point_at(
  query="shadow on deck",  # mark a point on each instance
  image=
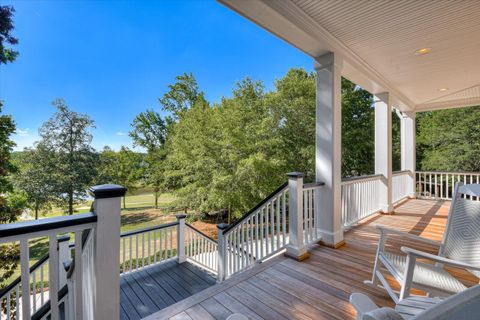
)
(156, 287)
(319, 287)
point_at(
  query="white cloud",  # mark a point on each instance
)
(121, 133)
(23, 132)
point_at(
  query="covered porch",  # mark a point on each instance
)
(319, 287)
(411, 56)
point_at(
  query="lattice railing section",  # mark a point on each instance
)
(260, 234)
(360, 198)
(30, 295)
(310, 219)
(402, 185)
(201, 249)
(149, 246)
(441, 185)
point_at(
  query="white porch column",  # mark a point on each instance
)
(107, 207)
(383, 148)
(408, 147)
(328, 144)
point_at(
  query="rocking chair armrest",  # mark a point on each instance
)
(439, 259)
(386, 231)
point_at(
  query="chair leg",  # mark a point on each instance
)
(376, 266)
(408, 277)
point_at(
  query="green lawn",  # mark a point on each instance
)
(138, 214)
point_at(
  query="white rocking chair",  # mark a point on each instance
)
(460, 247)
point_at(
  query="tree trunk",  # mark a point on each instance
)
(156, 200)
(36, 212)
(124, 203)
(70, 202)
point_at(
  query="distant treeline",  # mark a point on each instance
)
(226, 156)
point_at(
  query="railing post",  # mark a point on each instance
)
(296, 246)
(181, 238)
(63, 256)
(107, 250)
(222, 252)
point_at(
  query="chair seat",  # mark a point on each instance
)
(426, 275)
(411, 306)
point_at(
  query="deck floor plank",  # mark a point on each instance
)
(153, 288)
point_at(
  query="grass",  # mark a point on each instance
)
(138, 214)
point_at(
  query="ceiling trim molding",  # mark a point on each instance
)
(459, 103)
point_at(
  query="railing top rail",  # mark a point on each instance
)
(200, 232)
(448, 172)
(367, 177)
(143, 230)
(20, 228)
(313, 185)
(400, 172)
(258, 206)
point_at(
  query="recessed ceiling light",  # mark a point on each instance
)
(423, 51)
(443, 89)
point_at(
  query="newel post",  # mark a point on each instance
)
(222, 252)
(63, 257)
(107, 207)
(181, 238)
(296, 247)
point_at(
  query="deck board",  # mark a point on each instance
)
(156, 287)
(319, 287)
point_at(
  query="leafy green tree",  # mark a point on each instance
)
(67, 137)
(124, 167)
(149, 130)
(182, 95)
(6, 27)
(358, 131)
(7, 128)
(9, 254)
(449, 140)
(37, 178)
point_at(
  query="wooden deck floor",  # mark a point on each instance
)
(151, 289)
(319, 287)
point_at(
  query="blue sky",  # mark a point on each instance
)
(113, 59)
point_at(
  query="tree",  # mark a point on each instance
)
(67, 137)
(7, 128)
(449, 140)
(358, 130)
(182, 95)
(6, 26)
(124, 167)
(37, 178)
(149, 130)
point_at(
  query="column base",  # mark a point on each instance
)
(301, 257)
(296, 253)
(331, 239)
(387, 210)
(332, 245)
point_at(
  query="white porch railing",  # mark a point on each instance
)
(310, 219)
(30, 296)
(360, 198)
(201, 249)
(149, 246)
(259, 234)
(402, 185)
(440, 185)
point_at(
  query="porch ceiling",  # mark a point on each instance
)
(378, 40)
